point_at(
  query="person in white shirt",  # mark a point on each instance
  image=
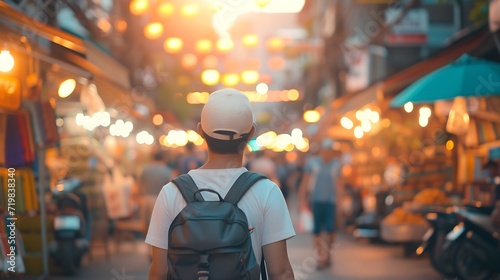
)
(227, 124)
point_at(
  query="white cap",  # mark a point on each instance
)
(227, 115)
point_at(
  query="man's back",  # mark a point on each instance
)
(263, 205)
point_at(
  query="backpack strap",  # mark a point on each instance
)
(242, 185)
(188, 188)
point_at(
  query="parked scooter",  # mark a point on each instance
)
(477, 254)
(442, 259)
(70, 227)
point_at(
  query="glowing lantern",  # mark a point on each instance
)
(190, 10)
(225, 45)
(210, 77)
(211, 61)
(312, 116)
(153, 30)
(189, 61)
(204, 46)
(250, 77)
(173, 45)
(138, 7)
(251, 40)
(275, 45)
(230, 80)
(276, 63)
(166, 9)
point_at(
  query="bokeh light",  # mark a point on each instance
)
(204, 46)
(225, 45)
(250, 40)
(230, 79)
(158, 119)
(166, 9)
(312, 116)
(189, 61)
(173, 45)
(250, 77)
(190, 10)
(408, 107)
(66, 88)
(262, 88)
(153, 30)
(210, 77)
(138, 7)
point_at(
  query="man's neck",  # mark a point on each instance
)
(223, 161)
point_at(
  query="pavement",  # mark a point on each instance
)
(353, 260)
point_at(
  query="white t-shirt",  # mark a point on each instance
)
(263, 205)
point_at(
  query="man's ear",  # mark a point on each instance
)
(200, 130)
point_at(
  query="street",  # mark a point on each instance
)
(353, 260)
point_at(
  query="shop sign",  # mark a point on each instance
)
(358, 76)
(410, 30)
(10, 93)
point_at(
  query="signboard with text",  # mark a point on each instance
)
(412, 29)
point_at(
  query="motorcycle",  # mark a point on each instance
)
(70, 226)
(477, 244)
(442, 222)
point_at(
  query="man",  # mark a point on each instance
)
(153, 177)
(318, 190)
(227, 125)
(188, 160)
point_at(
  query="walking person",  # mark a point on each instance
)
(226, 125)
(319, 191)
(153, 177)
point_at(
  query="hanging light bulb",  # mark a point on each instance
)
(6, 61)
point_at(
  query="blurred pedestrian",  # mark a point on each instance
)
(154, 176)
(188, 160)
(227, 125)
(319, 191)
(262, 163)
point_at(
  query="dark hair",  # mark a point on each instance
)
(159, 155)
(226, 146)
(190, 146)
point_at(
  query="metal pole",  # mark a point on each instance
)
(41, 196)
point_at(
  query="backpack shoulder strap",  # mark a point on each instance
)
(188, 188)
(242, 185)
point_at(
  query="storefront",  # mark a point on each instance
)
(54, 85)
(402, 157)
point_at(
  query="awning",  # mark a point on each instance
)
(31, 26)
(79, 57)
(389, 87)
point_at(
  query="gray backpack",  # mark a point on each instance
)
(211, 239)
